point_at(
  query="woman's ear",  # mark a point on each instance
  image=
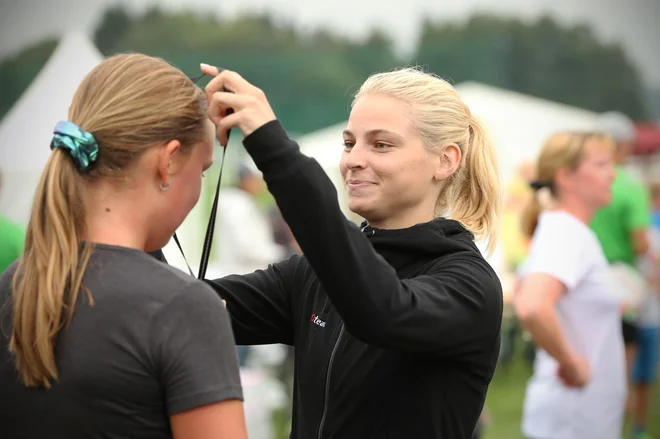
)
(449, 160)
(168, 161)
(562, 178)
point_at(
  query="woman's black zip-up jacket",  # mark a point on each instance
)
(396, 332)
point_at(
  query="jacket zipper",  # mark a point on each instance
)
(327, 382)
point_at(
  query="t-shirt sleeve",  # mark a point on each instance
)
(637, 212)
(559, 250)
(194, 350)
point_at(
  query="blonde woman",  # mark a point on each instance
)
(98, 339)
(396, 324)
(567, 299)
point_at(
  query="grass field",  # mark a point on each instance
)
(505, 400)
(504, 404)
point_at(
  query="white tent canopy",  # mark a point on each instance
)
(519, 124)
(26, 131)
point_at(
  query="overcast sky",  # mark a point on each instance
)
(635, 23)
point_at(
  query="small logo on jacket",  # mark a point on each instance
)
(314, 319)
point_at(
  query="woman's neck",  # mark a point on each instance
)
(401, 221)
(115, 218)
(578, 209)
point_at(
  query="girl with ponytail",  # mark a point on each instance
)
(98, 338)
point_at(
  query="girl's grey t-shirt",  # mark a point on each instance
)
(154, 343)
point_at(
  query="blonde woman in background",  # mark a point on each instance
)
(567, 299)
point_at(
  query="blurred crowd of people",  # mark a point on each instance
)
(587, 295)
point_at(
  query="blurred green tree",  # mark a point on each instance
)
(18, 71)
(541, 58)
(310, 77)
(113, 25)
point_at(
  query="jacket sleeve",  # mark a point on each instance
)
(454, 310)
(260, 304)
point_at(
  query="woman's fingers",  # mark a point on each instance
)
(222, 101)
(209, 70)
(224, 125)
(229, 81)
(228, 90)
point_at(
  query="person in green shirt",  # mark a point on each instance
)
(622, 225)
(12, 240)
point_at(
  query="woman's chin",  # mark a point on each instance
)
(359, 206)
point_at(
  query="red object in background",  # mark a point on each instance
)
(647, 139)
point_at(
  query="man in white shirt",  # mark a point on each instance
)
(243, 233)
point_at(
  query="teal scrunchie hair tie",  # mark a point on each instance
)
(80, 144)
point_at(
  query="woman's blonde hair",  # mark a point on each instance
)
(472, 195)
(563, 150)
(129, 103)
